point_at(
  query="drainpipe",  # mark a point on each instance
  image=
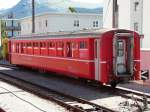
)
(33, 16)
(115, 14)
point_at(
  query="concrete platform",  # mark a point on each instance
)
(13, 99)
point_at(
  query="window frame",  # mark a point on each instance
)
(83, 45)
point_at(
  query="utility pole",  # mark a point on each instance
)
(33, 16)
(115, 14)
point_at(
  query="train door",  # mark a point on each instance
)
(97, 59)
(123, 54)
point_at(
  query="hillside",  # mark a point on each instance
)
(23, 8)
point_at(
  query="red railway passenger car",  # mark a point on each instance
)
(106, 56)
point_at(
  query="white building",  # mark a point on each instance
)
(55, 22)
(133, 15)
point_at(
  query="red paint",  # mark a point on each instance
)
(66, 57)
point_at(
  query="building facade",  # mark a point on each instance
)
(133, 15)
(123, 18)
(12, 27)
(56, 22)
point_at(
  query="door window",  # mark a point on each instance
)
(120, 47)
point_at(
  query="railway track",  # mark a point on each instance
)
(71, 103)
(137, 96)
(1, 110)
(141, 100)
(79, 103)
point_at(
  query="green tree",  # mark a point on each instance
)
(3, 30)
(72, 9)
(4, 40)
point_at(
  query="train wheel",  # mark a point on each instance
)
(113, 84)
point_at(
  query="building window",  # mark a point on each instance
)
(76, 23)
(9, 23)
(19, 25)
(5, 24)
(46, 23)
(136, 5)
(136, 26)
(95, 23)
(9, 33)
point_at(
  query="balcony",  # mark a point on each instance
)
(17, 28)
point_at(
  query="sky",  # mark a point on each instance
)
(4, 4)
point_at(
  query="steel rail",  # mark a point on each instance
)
(123, 92)
(46, 93)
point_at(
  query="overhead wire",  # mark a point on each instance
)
(107, 10)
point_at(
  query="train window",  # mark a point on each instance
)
(83, 45)
(120, 48)
(36, 44)
(69, 49)
(53, 44)
(22, 51)
(74, 45)
(41, 44)
(60, 44)
(23, 45)
(44, 44)
(13, 47)
(50, 45)
(17, 48)
(30, 44)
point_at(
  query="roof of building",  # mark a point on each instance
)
(58, 13)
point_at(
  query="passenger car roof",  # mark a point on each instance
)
(86, 33)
